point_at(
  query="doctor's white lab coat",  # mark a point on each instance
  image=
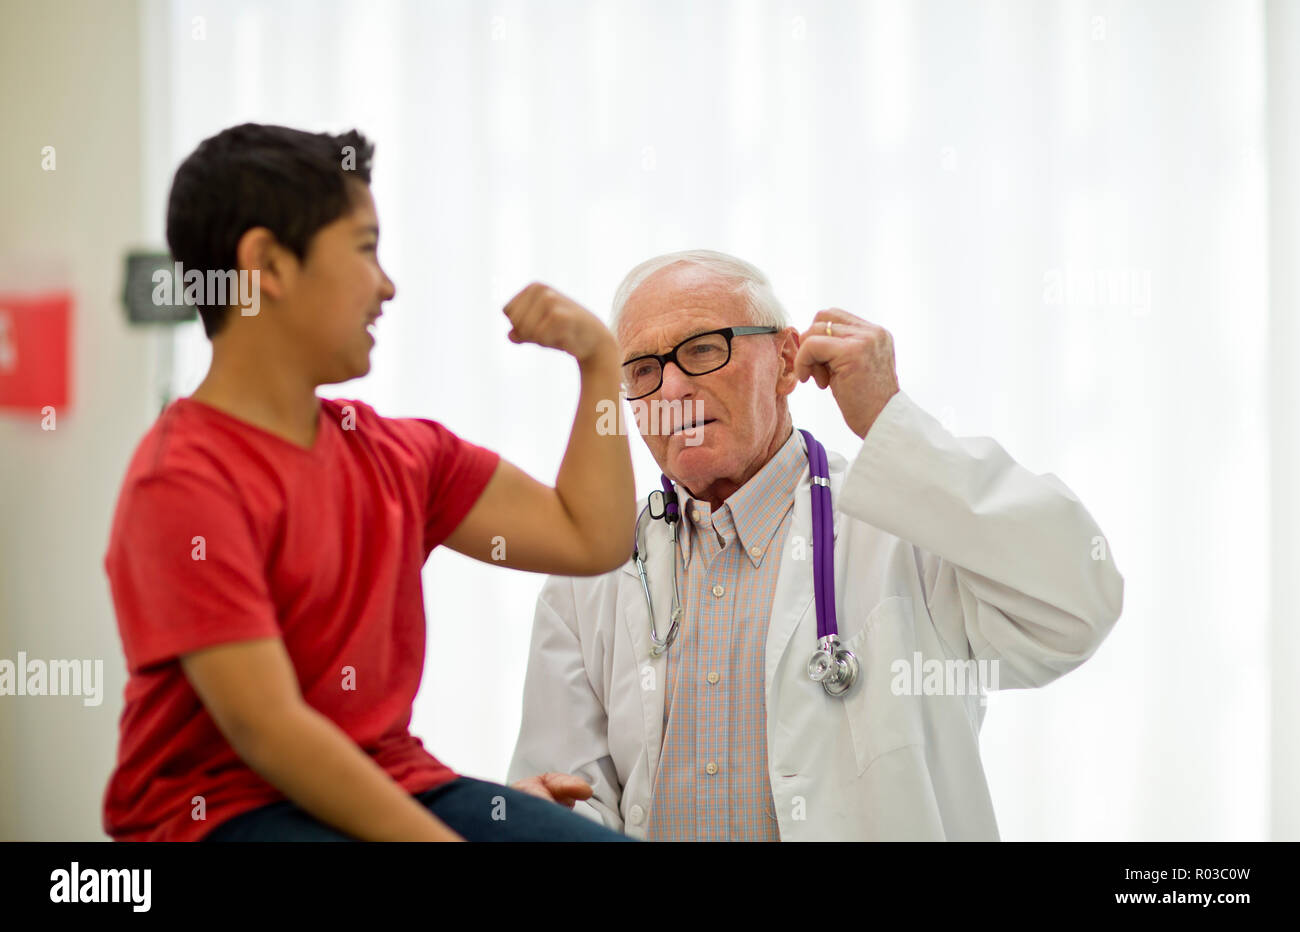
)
(945, 550)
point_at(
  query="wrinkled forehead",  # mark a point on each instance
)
(675, 303)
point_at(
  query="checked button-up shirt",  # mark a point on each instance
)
(712, 783)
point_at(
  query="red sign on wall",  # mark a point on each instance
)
(34, 350)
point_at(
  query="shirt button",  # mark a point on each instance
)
(695, 515)
(718, 590)
(755, 551)
(711, 768)
(713, 677)
(635, 815)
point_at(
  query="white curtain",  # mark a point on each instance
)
(1059, 209)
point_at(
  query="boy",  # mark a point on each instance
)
(266, 549)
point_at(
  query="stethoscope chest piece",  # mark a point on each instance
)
(835, 667)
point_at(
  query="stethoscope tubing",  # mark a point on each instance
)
(823, 538)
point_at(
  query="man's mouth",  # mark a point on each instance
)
(693, 425)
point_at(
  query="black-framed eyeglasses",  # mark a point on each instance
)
(697, 355)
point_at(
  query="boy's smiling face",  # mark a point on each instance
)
(334, 294)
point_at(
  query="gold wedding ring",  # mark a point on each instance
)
(828, 328)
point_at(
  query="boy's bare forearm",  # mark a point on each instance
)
(315, 764)
(594, 488)
(595, 482)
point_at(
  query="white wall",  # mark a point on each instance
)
(69, 73)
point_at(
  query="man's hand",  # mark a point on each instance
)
(559, 788)
(856, 360)
(540, 314)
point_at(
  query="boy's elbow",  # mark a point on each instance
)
(607, 558)
(259, 733)
(605, 548)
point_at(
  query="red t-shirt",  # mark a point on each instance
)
(226, 532)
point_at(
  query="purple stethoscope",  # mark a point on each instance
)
(832, 665)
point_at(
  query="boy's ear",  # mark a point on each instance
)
(277, 267)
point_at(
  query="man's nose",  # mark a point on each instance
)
(388, 290)
(677, 384)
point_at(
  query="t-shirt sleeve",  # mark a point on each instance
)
(185, 570)
(459, 472)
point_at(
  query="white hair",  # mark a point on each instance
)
(765, 309)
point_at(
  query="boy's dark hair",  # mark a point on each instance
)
(289, 181)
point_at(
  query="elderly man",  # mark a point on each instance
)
(954, 570)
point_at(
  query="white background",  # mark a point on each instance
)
(1072, 216)
(1058, 209)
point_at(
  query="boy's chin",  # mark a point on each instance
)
(361, 360)
(353, 369)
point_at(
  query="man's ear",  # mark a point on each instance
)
(787, 349)
(277, 267)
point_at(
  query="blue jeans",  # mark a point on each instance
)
(475, 809)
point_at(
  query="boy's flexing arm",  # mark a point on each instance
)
(583, 526)
(250, 690)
